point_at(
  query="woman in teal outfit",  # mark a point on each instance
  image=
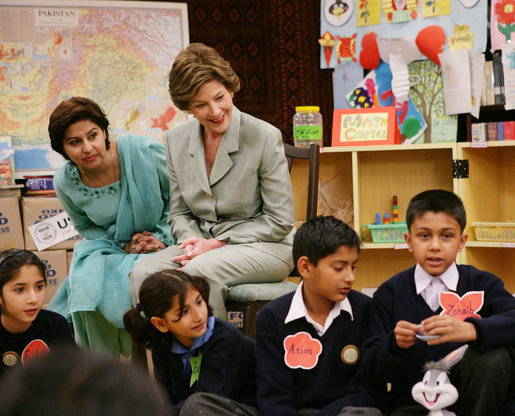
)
(116, 194)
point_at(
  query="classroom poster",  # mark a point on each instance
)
(427, 96)
(118, 53)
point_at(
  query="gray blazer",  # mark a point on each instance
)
(248, 196)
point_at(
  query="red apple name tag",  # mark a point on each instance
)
(462, 307)
(33, 349)
(301, 351)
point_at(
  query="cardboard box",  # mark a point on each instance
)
(11, 232)
(56, 263)
(36, 209)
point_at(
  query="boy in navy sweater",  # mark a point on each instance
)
(458, 304)
(308, 343)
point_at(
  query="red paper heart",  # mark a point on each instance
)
(369, 55)
(430, 41)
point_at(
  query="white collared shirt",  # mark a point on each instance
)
(431, 286)
(298, 310)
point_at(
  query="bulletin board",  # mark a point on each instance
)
(357, 24)
(117, 53)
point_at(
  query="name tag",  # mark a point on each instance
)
(462, 307)
(301, 351)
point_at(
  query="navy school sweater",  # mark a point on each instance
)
(281, 389)
(396, 299)
(227, 368)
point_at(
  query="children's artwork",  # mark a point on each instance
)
(445, 14)
(337, 12)
(456, 81)
(327, 42)
(7, 165)
(431, 41)
(369, 55)
(477, 77)
(502, 22)
(432, 8)
(368, 13)
(508, 66)
(462, 38)
(346, 49)
(397, 11)
(375, 90)
(345, 77)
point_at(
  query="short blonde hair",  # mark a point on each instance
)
(193, 67)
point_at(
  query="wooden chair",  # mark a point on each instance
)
(250, 297)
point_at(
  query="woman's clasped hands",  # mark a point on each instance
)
(195, 246)
(142, 243)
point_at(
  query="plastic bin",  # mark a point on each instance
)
(494, 231)
(387, 233)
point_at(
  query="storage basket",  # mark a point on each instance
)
(387, 233)
(494, 231)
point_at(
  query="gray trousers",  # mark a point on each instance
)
(209, 404)
(223, 267)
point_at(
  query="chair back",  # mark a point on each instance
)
(313, 154)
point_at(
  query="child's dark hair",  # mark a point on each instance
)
(436, 200)
(11, 261)
(155, 299)
(321, 237)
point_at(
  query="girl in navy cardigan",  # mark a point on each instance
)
(197, 358)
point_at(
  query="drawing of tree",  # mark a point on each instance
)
(427, 95)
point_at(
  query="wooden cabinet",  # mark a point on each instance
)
(364, 180)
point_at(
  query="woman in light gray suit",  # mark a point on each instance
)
(231, 201)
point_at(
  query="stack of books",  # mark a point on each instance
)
(492, 131)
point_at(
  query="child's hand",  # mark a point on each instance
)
(451, 329)
(405, 334)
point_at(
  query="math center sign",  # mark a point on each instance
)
(365, 126)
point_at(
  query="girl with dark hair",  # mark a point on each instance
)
(197, 358)
(26, 330)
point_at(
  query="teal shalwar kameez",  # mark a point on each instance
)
(95, 295)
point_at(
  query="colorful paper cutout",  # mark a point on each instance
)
(430, 41)
(462, 38)
(369, 55)
(327, 43)
(432, 8)
(337, 12)
(462, 307)
(397, 11)
(35, 348)
(346, 48)
(301, 351)
(369, 13)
